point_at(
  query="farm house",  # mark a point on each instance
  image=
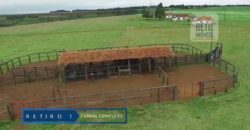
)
(180, 17)
(202, 20)
(105, 63)
(169, 15)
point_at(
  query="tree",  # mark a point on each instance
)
(160, 11)
(145, 13)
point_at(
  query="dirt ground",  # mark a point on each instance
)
(182, 77)
(118, 83)
(187, 79)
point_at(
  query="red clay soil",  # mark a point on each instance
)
(27, 91)
(115, 84)
(113, 54)
(187, 79)
(194, 73)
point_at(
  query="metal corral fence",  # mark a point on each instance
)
(66, 98)
(103, 100)
(224, 84)
(29, 74)
(54, 55)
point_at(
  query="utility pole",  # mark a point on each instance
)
(224, 15)
(151, 9)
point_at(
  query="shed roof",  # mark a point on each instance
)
(78, 57)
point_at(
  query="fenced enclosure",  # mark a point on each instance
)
(224, 84)
(13, 72)
(29, 74)
(114, 99)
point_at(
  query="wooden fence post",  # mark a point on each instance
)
(57, 57)
(167, 78)
(186, 59)
(1, 70)
(174, 93)
(7, 66)
(48, 56)
(29, 59)
(165, 62)
(176, 61)
(149, 64)
(139, 66)
(57, 72)
(13, 66)
(10, 112)
(108, 70)
(158, 93)
(234, 80)
(201, 88)
(39, 57)
(20, 62)
(86, 72)
(226, 67)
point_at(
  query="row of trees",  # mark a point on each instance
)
(58, 15)
(156, 12)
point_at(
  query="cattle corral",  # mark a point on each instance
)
(182, 73)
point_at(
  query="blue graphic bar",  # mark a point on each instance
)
(74, 116)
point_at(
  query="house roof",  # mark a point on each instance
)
(77, 57)
(204, 18)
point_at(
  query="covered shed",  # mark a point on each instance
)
(105, 63)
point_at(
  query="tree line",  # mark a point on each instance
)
(154, 12)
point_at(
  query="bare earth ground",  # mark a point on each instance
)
(181, 76)
(187, 79)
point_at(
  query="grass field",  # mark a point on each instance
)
(221, 112)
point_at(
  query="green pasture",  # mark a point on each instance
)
(229, 111)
